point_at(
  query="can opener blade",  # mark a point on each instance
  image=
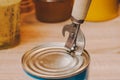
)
(73, 30)
(78, 17)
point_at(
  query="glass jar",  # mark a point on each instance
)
(9, 23)
(101, 10)
(53, 10)
(26, 6)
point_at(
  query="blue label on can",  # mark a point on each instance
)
(81, 76)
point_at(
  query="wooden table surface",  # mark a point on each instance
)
(102, 43)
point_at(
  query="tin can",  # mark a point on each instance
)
(52, 61)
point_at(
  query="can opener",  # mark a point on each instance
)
(76, 39)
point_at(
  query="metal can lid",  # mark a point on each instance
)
(53, 61)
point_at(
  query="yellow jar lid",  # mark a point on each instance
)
(101, 10)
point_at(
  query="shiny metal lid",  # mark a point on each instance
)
(53, 61)
(50, 0)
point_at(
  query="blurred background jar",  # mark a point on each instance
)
(26, 6)
(27, 9)
(53, 10)
(101, 10)
(9, 23)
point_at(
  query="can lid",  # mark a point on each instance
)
(52, 61)
(49, 0)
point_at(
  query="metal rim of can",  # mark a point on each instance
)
(50, 0)
(30, 67)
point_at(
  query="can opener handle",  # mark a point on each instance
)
(76, 39)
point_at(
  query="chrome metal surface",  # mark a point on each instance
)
(73, 30)
(50, 0)
(53, 61)
(76, 39)
(77, 17)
